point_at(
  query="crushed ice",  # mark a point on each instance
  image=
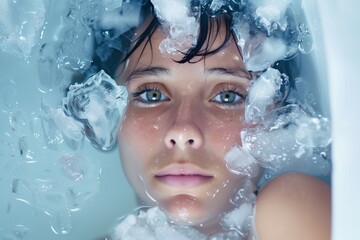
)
(266, 90)
(286, 138)
(152, 224)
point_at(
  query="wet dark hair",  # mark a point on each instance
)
(209, 25)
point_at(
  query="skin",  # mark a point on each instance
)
(294, 206)
(190, 125)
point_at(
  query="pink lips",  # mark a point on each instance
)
(183, 176)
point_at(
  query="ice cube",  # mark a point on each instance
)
(180, 23)
(99, 104)
(265, 91)
(240, 162)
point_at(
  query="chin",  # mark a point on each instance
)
(185, 210)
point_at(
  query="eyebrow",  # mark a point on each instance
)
(156, 71)
(225, 71)
(148, 71)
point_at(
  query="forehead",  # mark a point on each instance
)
(149, 54)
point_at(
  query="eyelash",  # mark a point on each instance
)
(230, 89)
(227, 89)
(146, 88)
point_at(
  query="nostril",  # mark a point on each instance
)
(173, 142)
(191, 141)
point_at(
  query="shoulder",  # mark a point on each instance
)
(294, 206)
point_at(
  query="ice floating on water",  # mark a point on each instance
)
(112, 24)
(99, 104)
(240, 219)
(260, 26)
(285, 137)
(94, 108)
(241, 162)
(290, 139)
(314, 132)
(95, 27)
(245, 194)
(182, 27)
(153, 225)
(68, 126)
(20, 26)
(271, 14)
(265, 91)
(268, 31)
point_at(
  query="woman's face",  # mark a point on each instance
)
(180, 122)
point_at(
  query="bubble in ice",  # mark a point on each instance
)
(99, 104)
(20, 26)
(152, 224)
(266, 90)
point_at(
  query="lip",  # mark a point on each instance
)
(183, 176)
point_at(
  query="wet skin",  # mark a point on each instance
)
(180, 122)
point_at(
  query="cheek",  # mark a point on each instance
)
(139, 139)
(224, 134)
(139, 128)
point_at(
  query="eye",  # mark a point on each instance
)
(228, 97)
(152, 95)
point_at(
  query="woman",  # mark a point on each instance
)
(185, 112)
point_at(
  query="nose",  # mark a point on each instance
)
(184, 132)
